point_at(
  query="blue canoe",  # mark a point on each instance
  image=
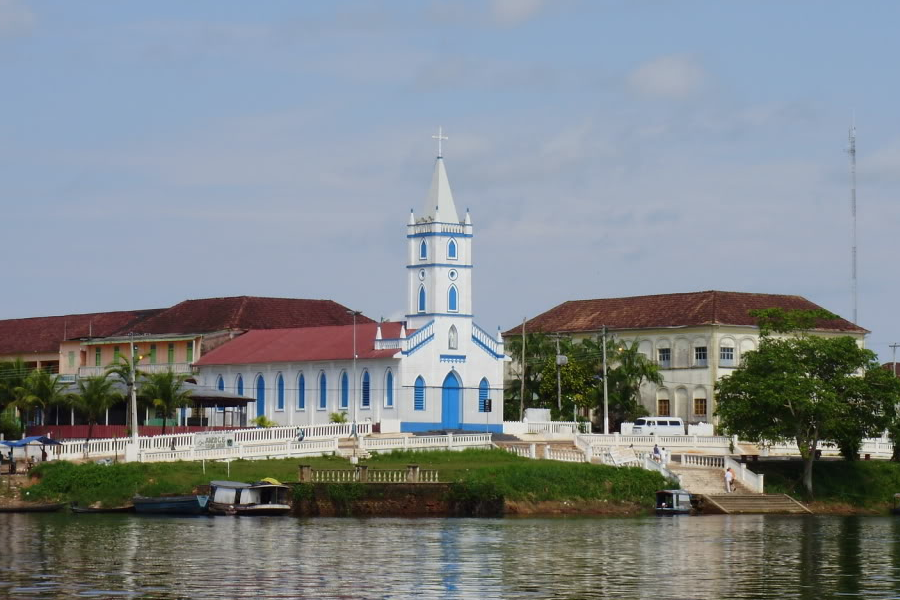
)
(194, 504)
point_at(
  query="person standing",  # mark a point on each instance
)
(656, 455)
(729, 480)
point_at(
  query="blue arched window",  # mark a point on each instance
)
(239, 385)
(423, 250)
(452, 299)
(419, 395)
(366, 398)
(451, 250)
(323, 391)
(421, 298)
(220, 384)
(345, 390)
(484, 390)
(301, 392)
(389, 389)
(279, 387)
(260, 396)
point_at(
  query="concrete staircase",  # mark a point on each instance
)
(736, 504)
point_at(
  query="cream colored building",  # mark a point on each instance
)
(695, 338)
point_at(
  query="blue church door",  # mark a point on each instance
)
(260, 397)
(450, 402)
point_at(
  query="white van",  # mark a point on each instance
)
(658, 426)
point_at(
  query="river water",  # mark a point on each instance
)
(750, 556)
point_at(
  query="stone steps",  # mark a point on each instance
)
(751, 504)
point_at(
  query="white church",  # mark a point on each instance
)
(438, 370)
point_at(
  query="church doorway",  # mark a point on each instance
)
(450, 401)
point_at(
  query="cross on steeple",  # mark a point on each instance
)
(439, 137)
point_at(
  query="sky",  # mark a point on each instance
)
(158, 151)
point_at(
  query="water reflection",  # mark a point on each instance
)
(752, 556)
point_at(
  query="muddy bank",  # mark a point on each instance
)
(524, 508)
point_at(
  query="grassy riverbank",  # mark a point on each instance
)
(867, 484)
(476, 475)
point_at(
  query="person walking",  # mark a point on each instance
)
(656, 455)
(729, 480)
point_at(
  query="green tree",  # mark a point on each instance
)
(807, 389)
(165, 391)
(12, 377)
(95, 395)
(126, 370)
(630, 370)
(538, 347)
(577, 380)
(39, 391)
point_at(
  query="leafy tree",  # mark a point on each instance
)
(538, 347)
(164, 391)
(39, 391)
(577, 380)
(94, 397)
(807, 389)
(630, 370)
(125, 369)
(12, 377)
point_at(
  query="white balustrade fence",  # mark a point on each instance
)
(427, 442)
(563, 454)
(753, 481)
(704, 461)
(287, 449)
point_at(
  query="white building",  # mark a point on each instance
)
(695, 338)
(437, 370)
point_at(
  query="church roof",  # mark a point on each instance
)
(303, 344)
(246, 312)
(439, 204)
(669, 310)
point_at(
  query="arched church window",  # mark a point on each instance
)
(419, 394)
(421, 298)
(279, 392)
(345, 390)
(451, 250)
(220, 384)
(484, 389)
(366, 397)
(453, 338)
(452, 299)
(423, 250)
(239, 385)
(301, 392)
(389, 389)
(260, 395)
(323, 391)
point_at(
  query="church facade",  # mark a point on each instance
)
(437, 370)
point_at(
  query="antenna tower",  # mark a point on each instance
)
(852, 152)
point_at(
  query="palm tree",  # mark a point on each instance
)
(94, 397)
(126, 370)
(165, 391)
(40, 390)
(630, 369)
(12, 376)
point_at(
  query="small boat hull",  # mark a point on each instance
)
(35, 507)
(245, 510)
(171, 505)
(89, 510)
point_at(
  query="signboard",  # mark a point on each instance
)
(213, 440)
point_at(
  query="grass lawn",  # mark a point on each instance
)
(859, 483)
(478, 473)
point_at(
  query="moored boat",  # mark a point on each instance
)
(673, 502)
(193, 504)
(267, 497)
(91, 510)
(32, 507)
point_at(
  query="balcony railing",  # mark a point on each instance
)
(156, 368)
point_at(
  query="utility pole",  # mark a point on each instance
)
(893, 348)
(605, 389)
(134, 417)
(522, 393)
(558, 379)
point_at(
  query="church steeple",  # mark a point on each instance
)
(439, 204)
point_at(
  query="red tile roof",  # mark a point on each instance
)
(302, 344)
(43, 334)
(669, 310)
(247, 312)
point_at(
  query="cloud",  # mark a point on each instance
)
(15, 18)
(882, 166)
(673, 76)
(509, 13)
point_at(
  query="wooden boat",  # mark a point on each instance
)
(32, 507)
(92, 510)
(194, 504)
(674, 502)
(267, 497)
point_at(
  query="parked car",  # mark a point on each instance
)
(658, 426)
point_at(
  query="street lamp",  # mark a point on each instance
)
(353, 431)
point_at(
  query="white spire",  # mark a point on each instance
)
(439, 204)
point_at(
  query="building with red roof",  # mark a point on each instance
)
(695, 338)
